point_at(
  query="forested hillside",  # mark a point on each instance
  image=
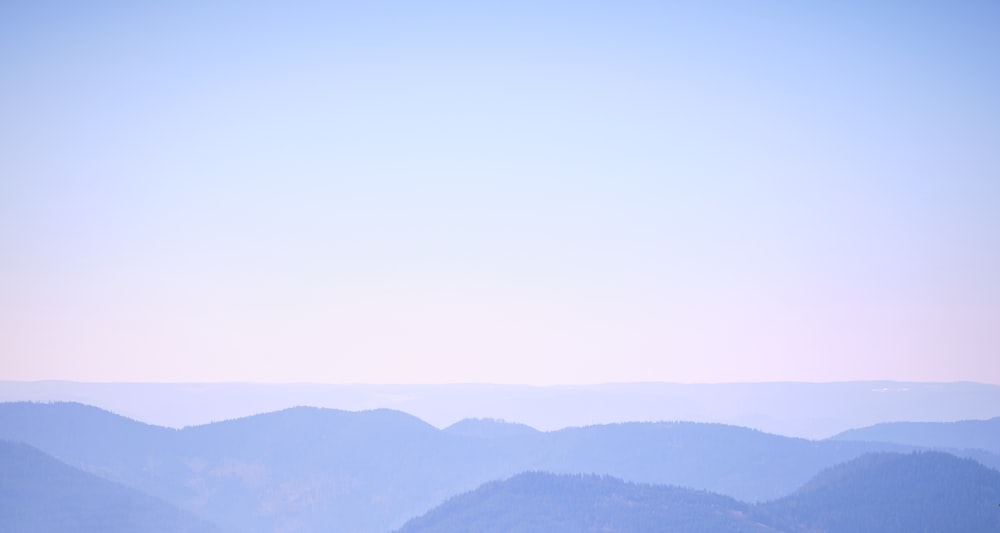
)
(549, 503)
(921, 492)
(310, 469)
(39, 494)
(876, 493)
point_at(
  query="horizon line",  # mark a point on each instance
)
(497, 384)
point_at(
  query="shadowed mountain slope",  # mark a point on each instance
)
(39, 494)
(550, 503)
(896, 493)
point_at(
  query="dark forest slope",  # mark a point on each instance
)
(550, 503)
(876, 493)
(896, 493)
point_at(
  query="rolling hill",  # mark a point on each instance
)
(875, 493)
(809, 410)
(890, 493)
(39, 494)
(962, 435)
(312, 469)
(549, 503)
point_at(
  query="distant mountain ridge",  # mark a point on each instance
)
(809, 410)
(304, 467)
(965, 434)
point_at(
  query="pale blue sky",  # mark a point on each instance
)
(513, 192)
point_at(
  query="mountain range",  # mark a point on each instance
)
(808, 410)
(312, 469)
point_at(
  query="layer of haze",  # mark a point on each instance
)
(509, 192)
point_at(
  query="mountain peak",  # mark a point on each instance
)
(489, 428)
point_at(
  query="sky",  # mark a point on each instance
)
(499, 192)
